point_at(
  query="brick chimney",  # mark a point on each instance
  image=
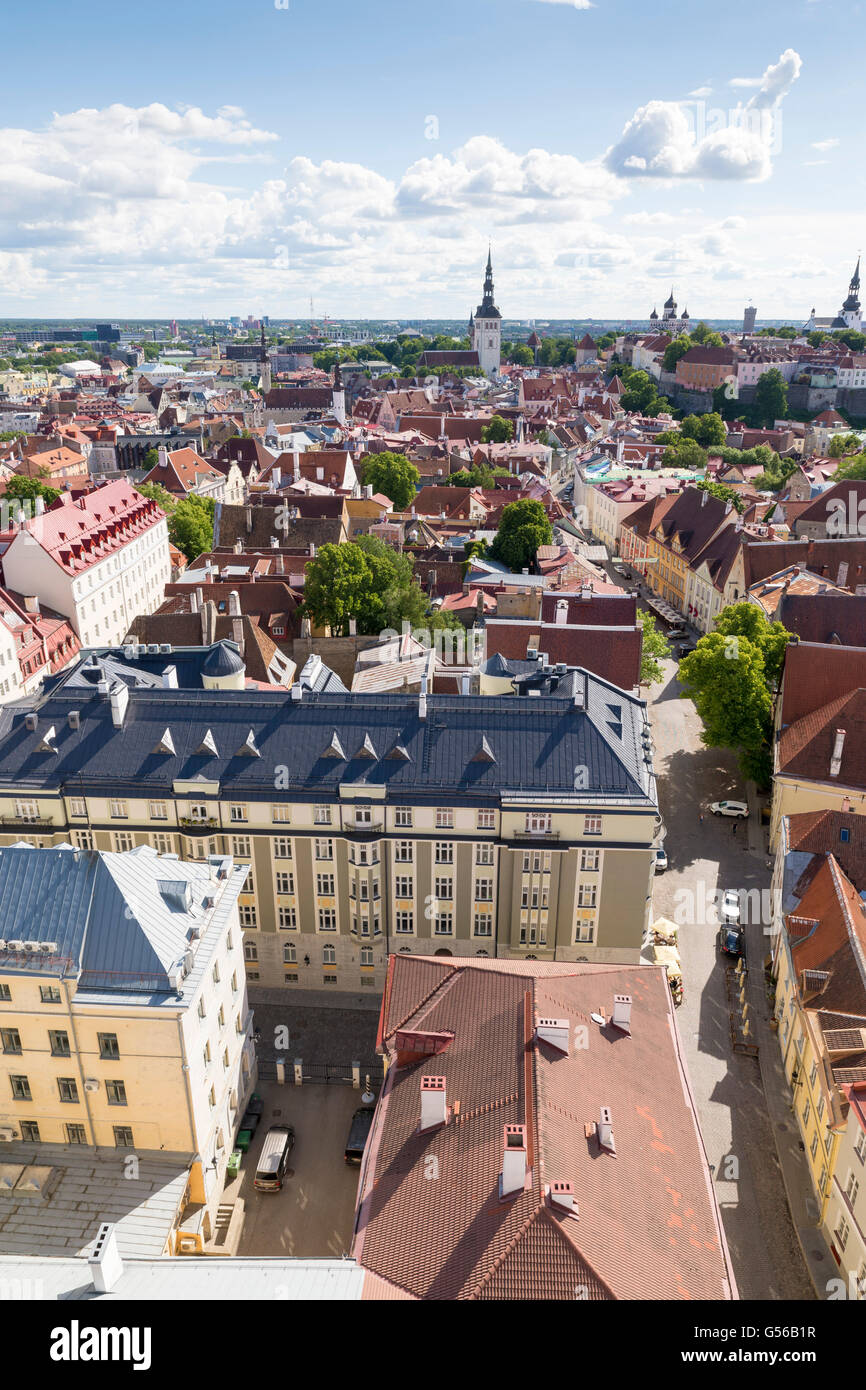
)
(434, 1109)
(513, 1176)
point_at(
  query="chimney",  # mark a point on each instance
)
(40, 506)
(554, 1032)
(208, 623)
(605, 1129)
(169, 678)
(353, 627)
(238, 633)
(841, 576)
(249, 519)
(234, 604)
(276, 477)
(434, 1110)
(561, 612)
(836, 759)
(704, 496)
(513, 1177)
(31, 602)
(622, 1012)
(105, 1263)
(464, 685)
(422, 699)
(119, 695)
(561, 1197)
(296, 467)
(195, 601)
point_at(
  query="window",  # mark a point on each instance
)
(59, 1043)
(484, 854)
(108, 1047)
(841, 1233)
(247, 917)
(860, 1146)
(83, 839)
(290, 954)
(215, 973)
(221, 1017)
(117, 810)
(363, 815)
(485, 820)
(288, 919)
(49, 994)
(5, 994)
(444, 818)
(158, 810)
(589, 860)
(404, 886)
(286, 883)
(241, 849)
(807, 1110)
(235, 983)
(366, 957)
(403, 817)
(484, 890)
(852, 1187)
(538, 822)
(282, 848)
(199, 812)
(404, 922)
(592, 825)
(237, 812)
(251, 950)
(20, 1088)
(813, 1147)
(68, 1089)
(403, 852)
(325, 885)
(30, 1132)
(844, 834)
(444, 852)
(211, 1098)
(77, 806)
(584, 931)
(115, 1092)
(122, 843)
(281, 814)
(444, 887)
(322, 815)
(290, 979)
(27, 810)
(163, 844)
(329, 955)
(327, 919)
(329, 979)
(482, 924)
(324, 849)
(443, 924)
(75, 1134)
(11, 1041)
(123, 1137)
(586, 894)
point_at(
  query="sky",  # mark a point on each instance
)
(208, 159)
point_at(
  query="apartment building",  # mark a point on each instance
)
(124, 1020)
(100, 560)
(845, 1216)
(369, 823)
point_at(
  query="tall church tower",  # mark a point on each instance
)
(851, 308)
(486, 338)
(264, 366)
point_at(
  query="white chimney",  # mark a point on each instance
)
(40, 506)
(119, 700)
(622, 1012)
(554, 1032)
(434, 1110)
(234, 604)
(561, 1196)
(561, 612)
(169, 678)
(353, 627)
(836, 759)
(422, 699)
(605, 1130)
(513, 1177)
(276, 477)
(105, 1263)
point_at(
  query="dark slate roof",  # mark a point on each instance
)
(537, 745)
(223, 659)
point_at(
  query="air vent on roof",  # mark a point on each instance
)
(166, 743)
(334, 748)
(397, 754)
(165, 648)
(73, 719)
(31, 720)
(366, 750)
(207, 747)
(46, 745)
(153, 649)
(483, 753)
(248, 748)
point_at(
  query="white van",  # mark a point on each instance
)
(274, 1158)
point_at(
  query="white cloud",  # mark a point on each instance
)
(575, 4)
(676, 140)
(648, 219)
(701, 92)
(824, 144)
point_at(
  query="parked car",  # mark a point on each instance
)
(731, 906)
(730, 808)
(274, 1158)
(732, 940)
(661, 860)
(677, 633)
(358, 1133)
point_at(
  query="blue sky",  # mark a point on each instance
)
(222, 158)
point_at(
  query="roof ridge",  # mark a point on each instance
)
(451, 971)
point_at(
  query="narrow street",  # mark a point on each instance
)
(704, 857)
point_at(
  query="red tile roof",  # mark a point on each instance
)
(81, 533)
(431, 1220)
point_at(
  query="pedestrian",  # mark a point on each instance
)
(702, 817)
(734, 827)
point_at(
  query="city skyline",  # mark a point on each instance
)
(560, 133)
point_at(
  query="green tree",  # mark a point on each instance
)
(704, 335)
(852, 338)
(30, 488)
(479, 475)
(731, 676)
(523, 527)
(8, 435)
(394, 475)
(190, 527)
(684, 453)
(724, 493)
(640, 392)
(853, 468)
(674, 351)
(816, 339)
(151, 459)
(158, 495)
(499, 431)
(520, 355)
(842, 444)
(705, 429)
(654, 649)
(771, 399)
(338, 586)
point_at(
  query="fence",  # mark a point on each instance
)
(297, 1071)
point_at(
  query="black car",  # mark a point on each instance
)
(732, 939)
(358, 1133)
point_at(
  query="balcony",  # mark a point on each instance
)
(37, 822)
(194, 823)
(536, 834)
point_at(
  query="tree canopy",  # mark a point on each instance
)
(371, 582)
(499, 431)
(654, 648)
(771, 399)
(190, 526)
(392, 474)
(724, 493)
(523, 527)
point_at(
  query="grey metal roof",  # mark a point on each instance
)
(176, 1278)
(537, 748)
